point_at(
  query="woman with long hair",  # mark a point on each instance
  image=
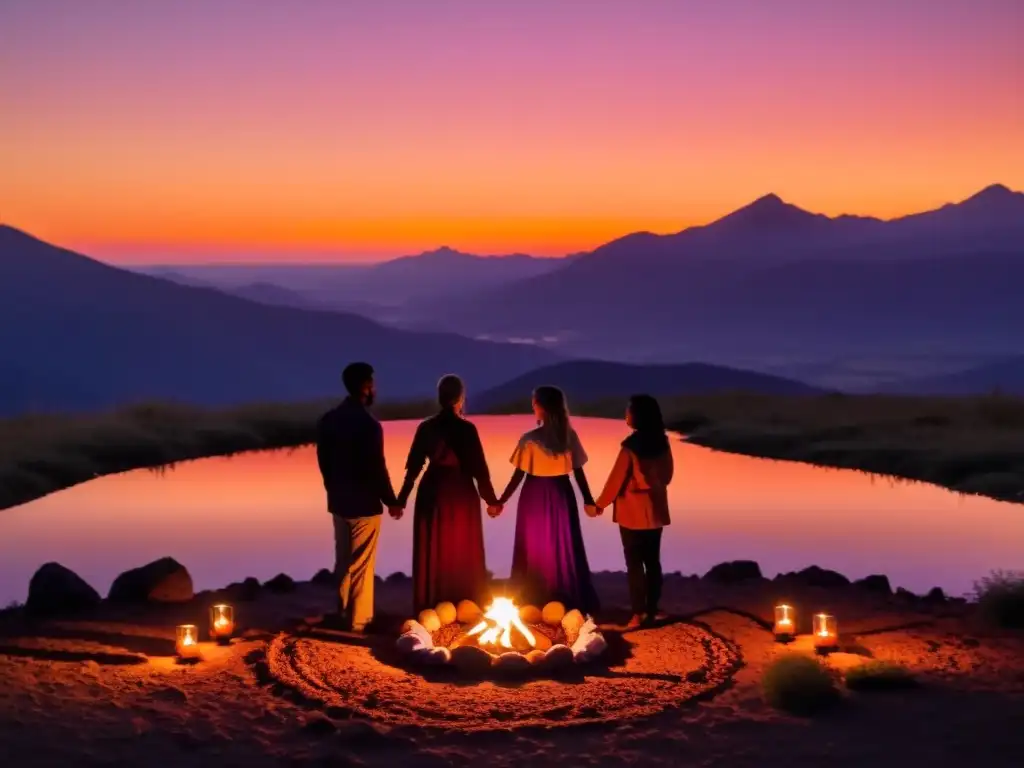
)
(638, 488)
(549, 561)
(448, 540)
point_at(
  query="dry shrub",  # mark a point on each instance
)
(799, 684)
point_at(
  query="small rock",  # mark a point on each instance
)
(471, 660)
(535, 657)
(553, 613)
(55, 590)
(281, 583)
(324, 578)
(430, 620)
(511, 664)
(572, 622)
(558, 657)
(734, 571)
(446, 613)
(530, 614)
(877, 583)
(468, 612)
(163, 581)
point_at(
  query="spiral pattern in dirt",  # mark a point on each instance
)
(660, 668)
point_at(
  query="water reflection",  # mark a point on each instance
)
(259, 514)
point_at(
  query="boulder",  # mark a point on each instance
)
(906, 595)
(396, 578)
(324, 578)
(55, 590)
(734, 571)
(815, 576)
(877, 583)
(281, 583)
(162, 581)
(935, 595)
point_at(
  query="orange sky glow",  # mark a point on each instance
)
(247, 131)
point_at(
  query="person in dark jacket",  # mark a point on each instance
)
(350, 452)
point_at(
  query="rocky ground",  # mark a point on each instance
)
(104, 688)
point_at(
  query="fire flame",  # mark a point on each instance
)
(496, 628)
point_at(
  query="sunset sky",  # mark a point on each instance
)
(264, 130)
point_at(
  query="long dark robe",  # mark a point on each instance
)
(448, 561)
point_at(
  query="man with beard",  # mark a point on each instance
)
(350, 452)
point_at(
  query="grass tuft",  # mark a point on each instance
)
(1000, 598)
(880, 676)
(799, 684)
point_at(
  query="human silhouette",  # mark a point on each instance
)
(549, 561)
(637, 486)
(350, 453)
(448, 561)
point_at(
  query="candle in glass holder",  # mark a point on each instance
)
(187, 642)
(826, 631)
(785, 622)
(222, 622)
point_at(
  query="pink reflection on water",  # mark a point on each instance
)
(260, 514)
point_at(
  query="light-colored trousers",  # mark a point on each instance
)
(355, 553)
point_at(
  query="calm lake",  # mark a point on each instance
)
(261, 514)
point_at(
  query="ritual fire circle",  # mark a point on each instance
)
(504, 641)
(665, 668)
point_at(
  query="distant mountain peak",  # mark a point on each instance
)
(994, 193)
(771, 200)
(769, 212)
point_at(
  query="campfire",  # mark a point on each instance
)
(505, 637)
(498, 622)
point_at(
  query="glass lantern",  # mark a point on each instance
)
(222, 622)
(826, 631)
(785, 622)
(187, 641)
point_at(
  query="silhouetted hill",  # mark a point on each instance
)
(431, 275)
(268, 293)
(1005, 376)
(774, 280)
(592, 380)
(82, 326)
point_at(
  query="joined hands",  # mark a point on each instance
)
(593, 510)
(495, 509)
(396, 512)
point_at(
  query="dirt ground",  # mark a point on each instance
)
(108, 691)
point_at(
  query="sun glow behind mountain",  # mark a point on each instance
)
(199, 131)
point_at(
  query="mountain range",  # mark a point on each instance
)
(76, 333)
(772, 281)
(371, 289)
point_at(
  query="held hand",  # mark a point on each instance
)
(494, 510)
(592, 510)
(396, 512)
